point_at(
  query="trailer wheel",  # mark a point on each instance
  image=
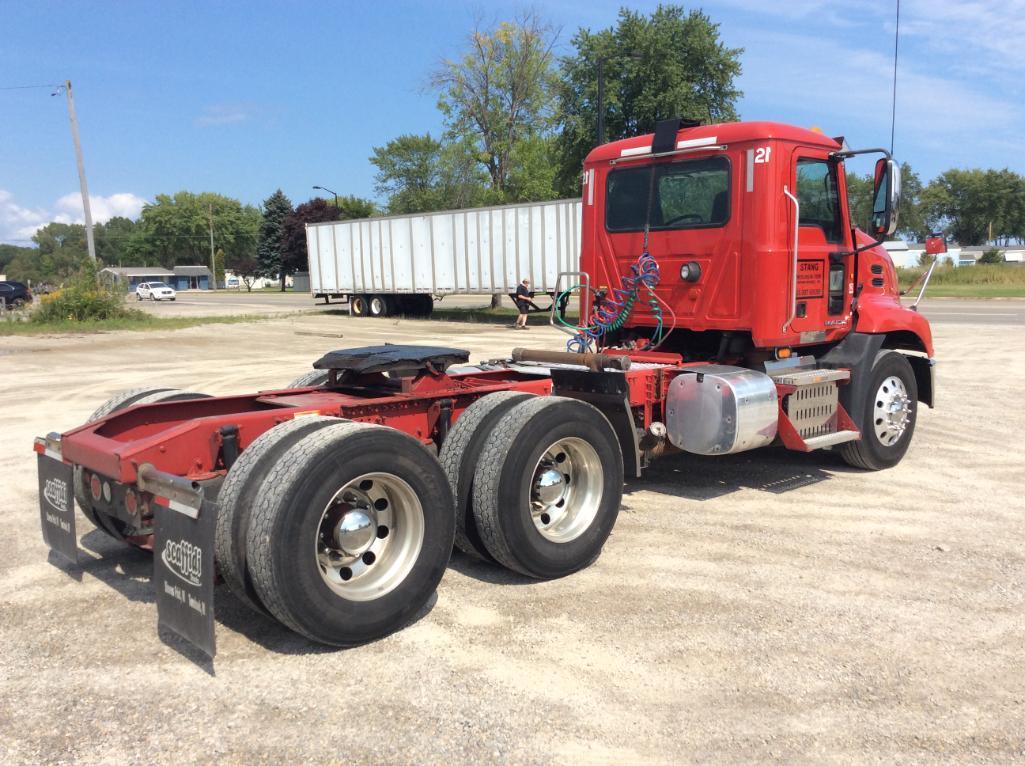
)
(888, 422)
(547, 487)
(311, 378)
(350, 533)
(459, 455)
(114, 527)
(378, 306)
(358, 305)
(238, 493)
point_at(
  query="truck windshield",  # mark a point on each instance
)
(689, 194)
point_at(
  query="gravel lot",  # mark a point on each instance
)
(763, 607)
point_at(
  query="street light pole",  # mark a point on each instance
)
(86, 207)
(324, 188)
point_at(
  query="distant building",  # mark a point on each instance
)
(132, 276)
(191, 278)
(180, 277)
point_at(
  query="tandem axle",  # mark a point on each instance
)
(322, 508)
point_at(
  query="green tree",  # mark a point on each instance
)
(113, 240)
(175, 229)
(295, 256)
(419, 174)
(912, 219)
(992, 255)
(669, 64)
(270, 251)
(351, 207)
(9, 252)
(499, 92)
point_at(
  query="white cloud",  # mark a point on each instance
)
(19, 223)
(224, 114)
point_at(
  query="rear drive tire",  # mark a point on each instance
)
(238, 494)
(378, 306)
(547, 487)
(350, 533)
(358, 305)
(111, 525)
(890, 411)
(459, 455)
(311, 378)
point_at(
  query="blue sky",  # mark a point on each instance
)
(243, 97)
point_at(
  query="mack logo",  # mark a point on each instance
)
(184, 559)
(56, 493)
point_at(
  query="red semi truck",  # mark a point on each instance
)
(727, 304)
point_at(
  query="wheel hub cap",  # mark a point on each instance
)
(566, 490)
(355, 532)
(551, 486)
(892, 411)
(369, 536)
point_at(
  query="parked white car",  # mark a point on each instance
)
(155, 291)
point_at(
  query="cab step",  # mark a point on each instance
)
(811, 416)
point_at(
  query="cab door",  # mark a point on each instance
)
(823, 265)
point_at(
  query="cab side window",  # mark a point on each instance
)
(819, 198)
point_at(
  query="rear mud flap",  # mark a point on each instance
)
(57, 506)
(183, 572)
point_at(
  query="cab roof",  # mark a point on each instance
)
(722, 133)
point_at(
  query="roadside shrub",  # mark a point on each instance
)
(993, 255)
(84, 298)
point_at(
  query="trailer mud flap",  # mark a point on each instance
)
(183, 571)
(57, 506)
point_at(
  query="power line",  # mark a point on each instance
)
(893, 109)
(27, 87)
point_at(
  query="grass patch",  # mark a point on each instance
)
(136, 323)
(979, 281)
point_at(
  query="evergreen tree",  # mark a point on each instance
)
(270, 254)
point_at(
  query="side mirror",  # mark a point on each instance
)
(886, 198)
(935, 244)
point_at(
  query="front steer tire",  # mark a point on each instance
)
(547, 487)
(306, 501)
(877, 449)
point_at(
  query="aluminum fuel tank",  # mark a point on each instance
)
(719, 410)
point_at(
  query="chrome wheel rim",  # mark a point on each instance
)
(892, 411)
(566, 489)
(369, 536)
(376, 306)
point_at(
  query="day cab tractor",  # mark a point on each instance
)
(726, 303)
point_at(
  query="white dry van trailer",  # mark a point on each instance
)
(399, 264)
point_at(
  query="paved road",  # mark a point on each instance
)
(940, 310)
(1009, 311)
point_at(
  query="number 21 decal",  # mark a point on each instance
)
(762, 154)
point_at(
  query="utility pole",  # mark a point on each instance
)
(601, 101)
(213, 260)
(86, 207)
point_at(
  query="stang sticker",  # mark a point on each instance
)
(811, 279)
(183, 572)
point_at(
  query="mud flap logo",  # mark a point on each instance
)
(56, 493)
(185, 560)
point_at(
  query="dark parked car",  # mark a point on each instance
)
(14, 294)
